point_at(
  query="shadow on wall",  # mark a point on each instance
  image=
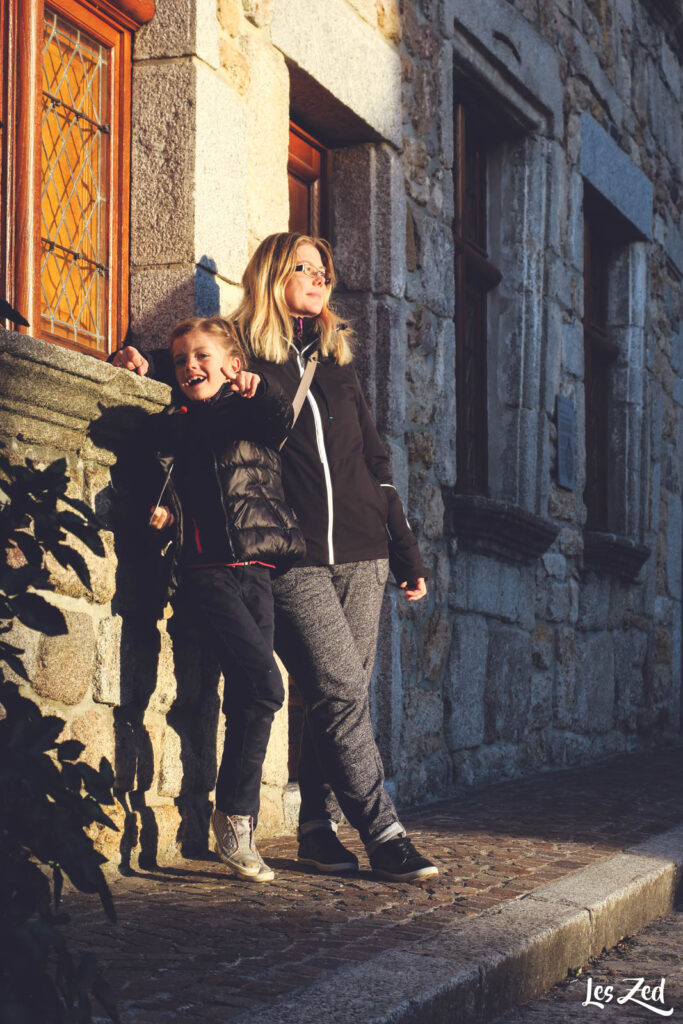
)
(195, 294)
(167, 680)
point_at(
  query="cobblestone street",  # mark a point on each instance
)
(193, 944)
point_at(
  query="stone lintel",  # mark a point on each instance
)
(615, 177)
(497, 529)
(496, 44)
(346, 56)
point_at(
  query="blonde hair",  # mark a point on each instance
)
(220, 329)
(262, 317)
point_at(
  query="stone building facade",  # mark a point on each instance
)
(552, 631)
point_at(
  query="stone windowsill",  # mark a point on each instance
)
(608, 553)
(498, 529)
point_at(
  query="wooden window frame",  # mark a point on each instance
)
(599, 354)
(317, 178)
(21, 45)
(475, 276)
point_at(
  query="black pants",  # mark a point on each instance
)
(233, 610)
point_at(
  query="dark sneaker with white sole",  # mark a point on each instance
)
(322, 850)
(398, 860)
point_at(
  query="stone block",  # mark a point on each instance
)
(438, 282)
(464, 692)
(567, 695)
(614, 175)
(509, 592)
(594, 603)
(674, 535)
(160, 297)
(555, 565)
(346, 57)
(353, 216)
(558, 602)
(268, 140)
(180, 28)
(220, 176)
(106, 688)
(507, 689)
(95, 730)
(420, 396)
(572, 349)
(515, 43)
(390, 368)
(182, 210)
(166, 690)
(388, 198)
(595, 678)
(102, 571)
(432, 512)
(65, 664)
(436, 642)
(27, 641)
(172, 760)
(163, 163)
(271, 820)
(168, 828)
(259, 12)
(275, 770)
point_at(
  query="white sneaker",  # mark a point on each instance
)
(266, 874)
(235, 844)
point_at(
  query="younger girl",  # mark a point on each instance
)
(222, 497)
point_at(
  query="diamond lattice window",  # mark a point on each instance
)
(74, 243)
(65, 151)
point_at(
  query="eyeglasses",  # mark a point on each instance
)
(313, 272)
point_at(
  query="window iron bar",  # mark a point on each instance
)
(76, 255)
(55, 101)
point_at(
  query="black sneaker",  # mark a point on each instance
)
(398, 860)
(322, 850)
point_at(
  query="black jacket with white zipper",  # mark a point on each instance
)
(222, 481)
(335, 468)
(336, 471)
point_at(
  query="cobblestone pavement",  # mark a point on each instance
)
(194, 944)
(655, 954)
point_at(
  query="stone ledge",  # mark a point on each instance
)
(498, 529)
(609, 553)
(52, 395)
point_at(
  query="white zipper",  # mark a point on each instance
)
(323, 458)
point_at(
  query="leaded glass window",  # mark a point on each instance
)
(74, 161)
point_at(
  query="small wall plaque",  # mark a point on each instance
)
(565, 442)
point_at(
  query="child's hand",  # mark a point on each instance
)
(414, 590)
(161, 517)
(244, 382)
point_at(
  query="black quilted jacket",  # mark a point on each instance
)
(222, 476)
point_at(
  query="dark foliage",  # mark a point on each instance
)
(48, 796)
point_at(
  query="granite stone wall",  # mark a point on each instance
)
(541, 644)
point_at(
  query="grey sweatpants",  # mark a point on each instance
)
(326, 623)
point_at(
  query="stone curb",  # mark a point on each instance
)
(483, 966)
